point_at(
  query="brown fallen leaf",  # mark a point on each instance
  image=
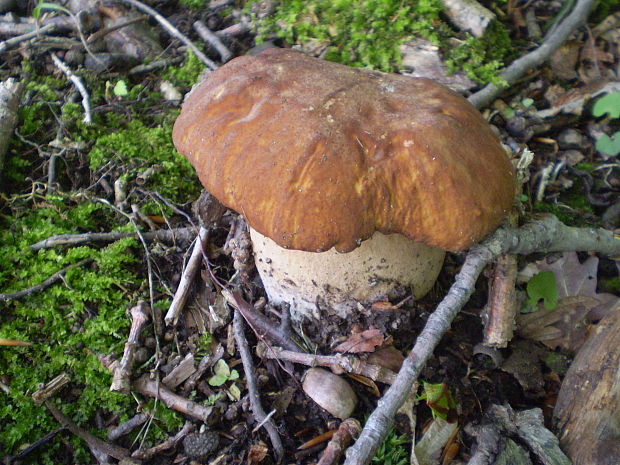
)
(366, 341)
(257, 453)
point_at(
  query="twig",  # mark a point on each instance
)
(157, 64)
(338, 363)
(22, 454)
(150, 388)
(501, 308)
(44, 285)
(173, 31)
(535, 58)
(167, 444)
(124, 370)
(259, 323)
(77, 82)
(347, 431)
(105, 31)
(10, 95)
(212, 39)
(119, 453)
(250, 376)
(547, 234)
(187, 278)
(164, 235)
(47, 29)
(128, 426)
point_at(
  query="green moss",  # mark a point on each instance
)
(193, 4)
(186, 75)
(369, 33)
(69, 323)
(610, 284)
(394, 450)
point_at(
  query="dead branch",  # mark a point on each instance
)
(347, 431)
(173, 31)
(250, 376)
(128, 426)
(44, 285)
(212, 39)
(338, 364)
(537, 57)
(151, 388)
(164, 235)
(47, 29)
(187, 278)
(10, 95)
(122, 374)
(259, 323)
(94, 443)
(79, 84)
(167, 444)
(547, 234)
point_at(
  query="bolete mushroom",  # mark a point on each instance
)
(354, 182)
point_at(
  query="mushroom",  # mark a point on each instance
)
(354, 182)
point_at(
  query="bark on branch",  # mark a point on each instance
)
(547, 234)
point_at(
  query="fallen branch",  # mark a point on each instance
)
(547, 234)
(338, 363)
(173, 31)
(47, 29)
(537, 57)
(44, 285)
(347, 431)
(10, 95)
(122, 374)
(187, 278)
(164, 235)
(77, 82)
(166, 445)
(212, 39)
(250, 376)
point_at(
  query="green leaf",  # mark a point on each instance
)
(440, 400)
(120, 89)
(217, 380)
(234, 374)
(609, 145)
(608, 104)
(221, 368)
(542, 286)
(36, 12)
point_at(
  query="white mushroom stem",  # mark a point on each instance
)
(339, 282)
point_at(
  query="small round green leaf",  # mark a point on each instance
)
(608, 104)
(609, 145)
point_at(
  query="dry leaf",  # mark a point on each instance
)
(369, 383)
(366, 341)
(257, 453)
(387, 357)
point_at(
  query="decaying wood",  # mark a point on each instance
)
(166, 445)
(500, 424)
(10, 95)
(501, 307)
(122, 374)
(587, 412)
(347, 431)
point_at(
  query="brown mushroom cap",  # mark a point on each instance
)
(318, 155)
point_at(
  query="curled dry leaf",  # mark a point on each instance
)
(366, 341)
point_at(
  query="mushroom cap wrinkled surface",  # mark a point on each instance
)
(318, 155)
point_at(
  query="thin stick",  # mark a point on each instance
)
(164, 235)
(47, 29)
(545, 235)
(344, 363)
(44, 285)
(10, 95)
(212, 39)
(77, 82)
(167, 444)
(533, 59)
(173, 31)
(250, 376)
(187, 278)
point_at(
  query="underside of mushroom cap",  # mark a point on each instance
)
(318, 155)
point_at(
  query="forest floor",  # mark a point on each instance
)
(91, 168)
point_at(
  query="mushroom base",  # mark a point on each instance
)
(339, 282)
